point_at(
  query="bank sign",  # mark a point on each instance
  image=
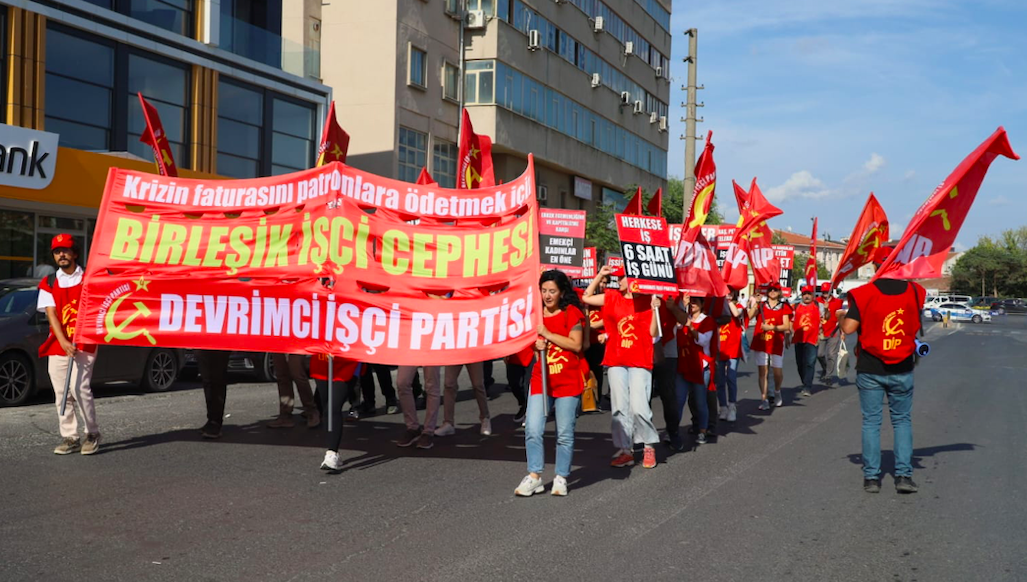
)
(28, 158)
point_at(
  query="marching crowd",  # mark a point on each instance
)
(684, 349)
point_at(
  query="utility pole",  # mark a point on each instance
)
(690, 119)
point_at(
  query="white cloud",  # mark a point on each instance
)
(876, 162)
(999, 201)
(909, 175)
(801, 184)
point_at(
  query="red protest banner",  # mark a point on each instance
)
(925, 244)
(870, 232)
(588, 264)
(155, 137)
(295, 263)
(648, 257)
(784, 255)
(562, 239)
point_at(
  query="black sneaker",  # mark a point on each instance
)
(872, 485)
(700, 439)
(211, 430)
(409, 438)
(521, 411)
(905, 485)
(676, 442)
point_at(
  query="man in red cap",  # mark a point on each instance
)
(773, 320)
(831, 336)
(806, 335)
(58, 298)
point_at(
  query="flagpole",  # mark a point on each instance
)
(460, 82)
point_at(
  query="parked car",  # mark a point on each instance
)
(259, 364)
(23, 372)
(1005, 306)
(959, 312)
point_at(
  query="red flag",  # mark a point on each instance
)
(474, 164)
(766, 266)
(757, 210)
(870, 232)
(696, 269)
(155, 137)
(635, 205)
(735, 271)
(425, 178)
(925, 244)
(334, 140)
(655, 206)
(811, 261)
(702, 196)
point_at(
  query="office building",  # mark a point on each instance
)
(236, 84)
(582, 84)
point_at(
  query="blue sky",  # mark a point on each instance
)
(824, 101)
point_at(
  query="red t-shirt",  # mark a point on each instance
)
(771, 342)
(565, 377)
(629, 343)
(731, 336)
(692, 359)
(595, 315)
(807, 324)
(830, 322)
(342, 369)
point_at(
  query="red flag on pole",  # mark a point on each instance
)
(811, 261)
(425, 178)
(635, 204)
(334, 140)
(474, 162)
(757, 210)
(696, 269)
(870, 232)
(155, 137)
(925, 244)
(655, 206)
(702, 196)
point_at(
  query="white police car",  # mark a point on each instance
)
(959, 312)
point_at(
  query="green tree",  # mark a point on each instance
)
(778, 239)
(993, 267)
(600, 231)
(799, 269)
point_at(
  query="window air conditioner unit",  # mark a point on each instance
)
(659, 71)
(476, 20)
(639, 107)
(534, 40)
(663, 123)
(653, 117)
(598, 24)
(543, 193)
(625, 98)
(629, 47)
(597, 81)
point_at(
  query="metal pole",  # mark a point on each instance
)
(460, 78)
(331, 400)
(67, 384)
(690, 120)
(543, 361)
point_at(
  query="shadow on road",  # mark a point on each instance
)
(888, 456)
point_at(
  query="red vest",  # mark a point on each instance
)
(691, 357)
(831, 321)
(66, 299)
(888, 323)
(806, 325)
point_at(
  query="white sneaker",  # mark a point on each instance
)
(331, 462)
(732, 413)
(764, 405)
(529, 486)
(486, 427)
(780, 400)
(559, 487)
(445, 430)
(723, 413)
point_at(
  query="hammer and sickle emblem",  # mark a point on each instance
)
(336, 151)
(944, 218)
(117, 331)
(868, 240)
(893, 324)
(166, 157)
(699, 204)
(471, 176)
(557, 356)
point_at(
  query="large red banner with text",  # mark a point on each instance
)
(319, 261)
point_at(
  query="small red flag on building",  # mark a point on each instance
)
(474, 162)
(655, 206)
(925, 244)
(869, 234)
(424, 178)
(334, 140)
(155, 137)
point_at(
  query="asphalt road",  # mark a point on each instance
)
(779, 497)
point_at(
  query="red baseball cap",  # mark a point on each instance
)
(825, 287)
(773, 285)
(806, 289)
(62, 241)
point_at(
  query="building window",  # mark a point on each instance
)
(413, 154)
(418, 71)
(479, 77)
(240, 130)
(292, 140)
(79, 89)
(450, 82)
(443, 163)
(16, 245)
(453, 6)
(173, 15)
(166, 87)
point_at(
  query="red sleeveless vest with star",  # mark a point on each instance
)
(888, 323)
(66, 299)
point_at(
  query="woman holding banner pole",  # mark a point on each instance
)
(335, 379)
(631, 326)
(556, 382)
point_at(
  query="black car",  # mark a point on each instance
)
(23, 372)
(1009, 306)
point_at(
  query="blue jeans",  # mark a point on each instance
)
(806, 361)
(697, 391)
(632, 418)
(727, 381)
(899, 389)
(535, 425)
